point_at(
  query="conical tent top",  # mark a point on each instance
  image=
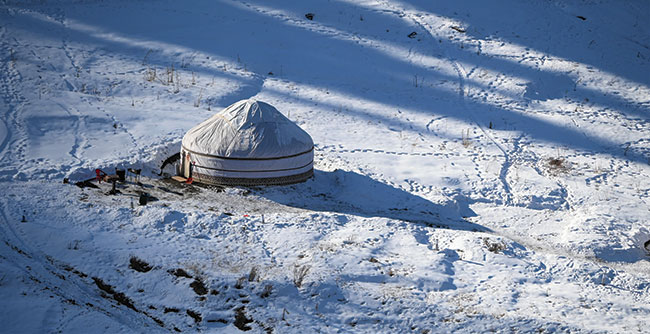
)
(248, 129)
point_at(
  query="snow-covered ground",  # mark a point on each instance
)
(480, 166)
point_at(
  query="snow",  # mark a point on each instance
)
(492, 173)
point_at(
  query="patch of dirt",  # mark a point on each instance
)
(103, 286)
(118, 296)
(74, 271)
(223, 321)
(199, 287)
(139, 265)
(124, 300)
(180, 273)
(156, 320)
(195, 315)
(241, 320)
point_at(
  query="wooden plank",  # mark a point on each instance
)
(179, 178)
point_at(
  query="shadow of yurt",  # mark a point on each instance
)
(351, 193)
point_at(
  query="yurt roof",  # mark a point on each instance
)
(248, 129)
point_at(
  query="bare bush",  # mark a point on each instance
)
(150, 74)
(253, 275)
(465, 139)
(267, 291)
(240, 282)
(558, 166)
(494, 247)
(170, 74)
(197, 103)
(299, 274)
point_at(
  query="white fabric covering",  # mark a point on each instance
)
(249, 139)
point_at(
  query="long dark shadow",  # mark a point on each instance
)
(357, 77)
(574, 44)
(351, 193)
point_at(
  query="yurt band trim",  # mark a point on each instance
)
(233, 158)
(256, 181)
(253, 171)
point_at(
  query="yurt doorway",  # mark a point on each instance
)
(186, 165)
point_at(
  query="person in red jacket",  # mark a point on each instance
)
(100, 175)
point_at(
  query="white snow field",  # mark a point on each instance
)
(480, 166)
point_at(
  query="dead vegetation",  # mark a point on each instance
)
(465, 140)
(242, 320)
(267, 291)
(494, 247)
(556, 166)
(253, 275)
(299, 274)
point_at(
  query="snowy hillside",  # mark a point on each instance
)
(480, 167)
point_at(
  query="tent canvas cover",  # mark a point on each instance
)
(248, 143)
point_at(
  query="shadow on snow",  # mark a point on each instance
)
(351, 193)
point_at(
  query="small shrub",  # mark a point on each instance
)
(150, 74)
(74, 245)
(267, 291)
(170, 74)
(197, 103)
(299, 274)
(253, 275)
(465, 139)
(240, 282)
(494, 247)
(558, 166)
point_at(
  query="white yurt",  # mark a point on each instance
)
(248, 143)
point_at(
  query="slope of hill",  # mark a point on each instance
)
(478, 167)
